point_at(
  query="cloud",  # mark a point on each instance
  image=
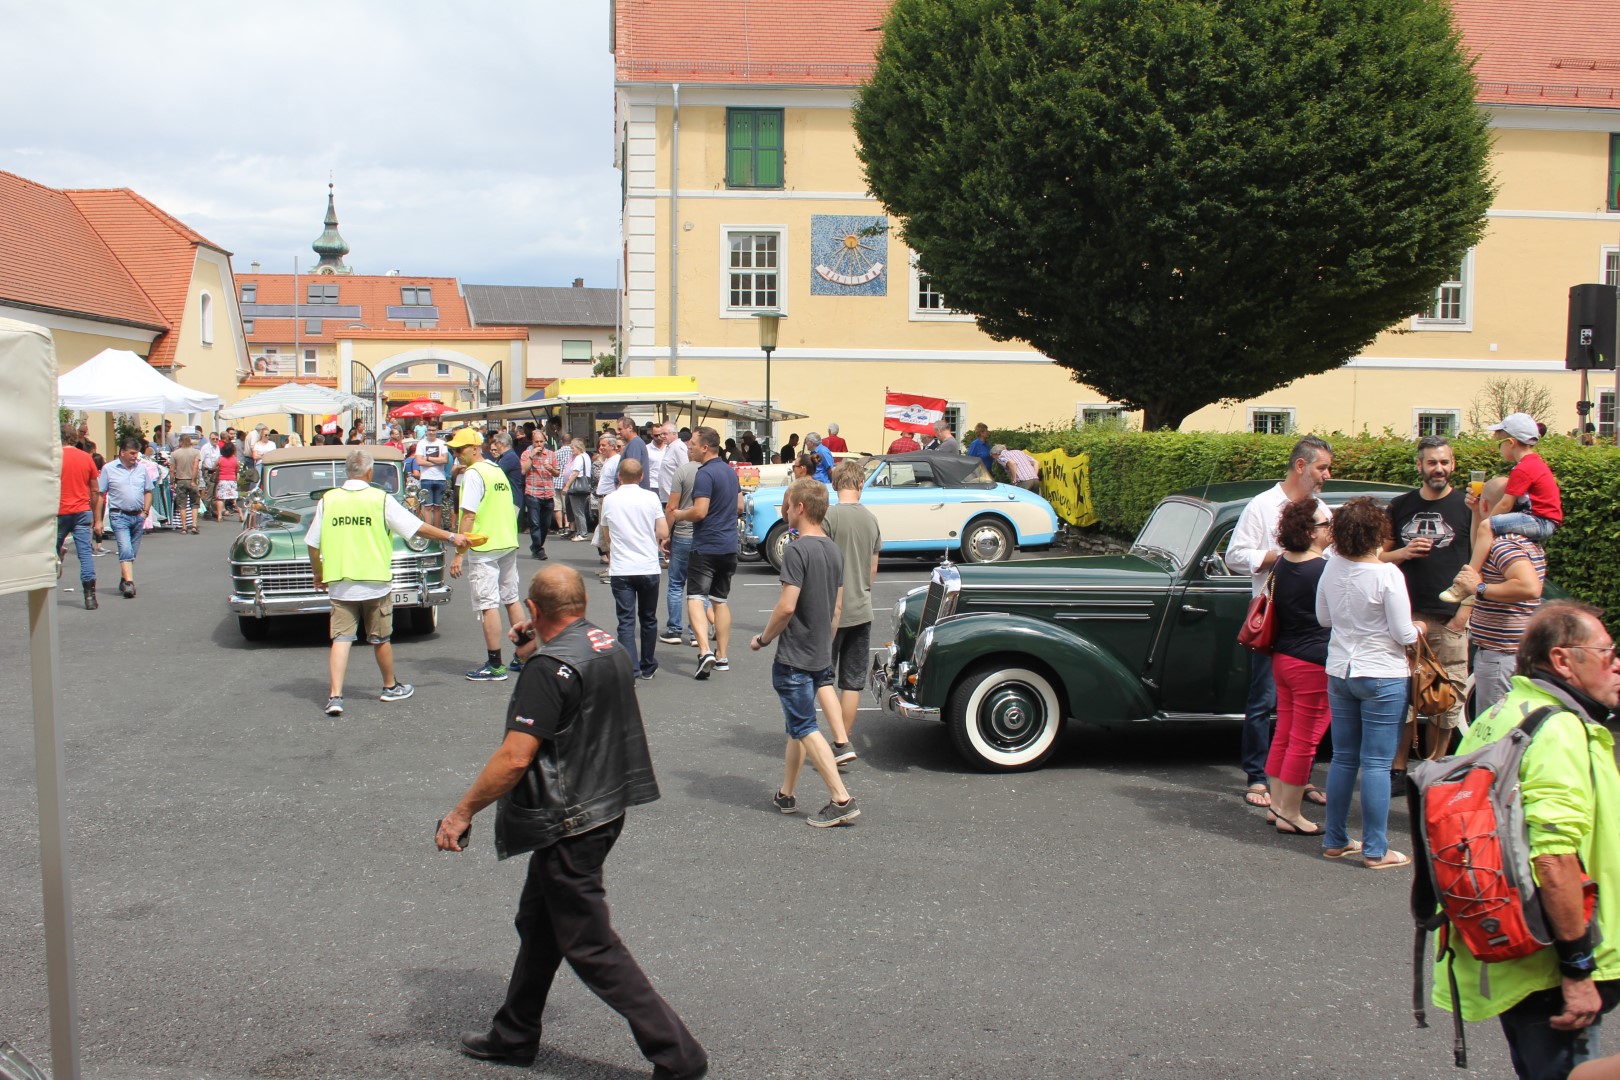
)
(471, 140)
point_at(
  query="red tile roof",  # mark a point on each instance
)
(374, 294)
(771, 42)
(158, 250)
(52, 258)
(1531, 52)
(1544, 52)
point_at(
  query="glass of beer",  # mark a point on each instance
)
(1476, 482)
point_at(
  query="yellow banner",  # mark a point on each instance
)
(1066, 484)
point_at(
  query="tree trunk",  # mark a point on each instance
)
(1163, 414)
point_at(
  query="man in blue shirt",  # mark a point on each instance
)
(980, 447)
(714, 550)
(635, 449)
(824, 458)
(127, 487)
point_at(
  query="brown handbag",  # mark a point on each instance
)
(1434, 691)
(1259, 628)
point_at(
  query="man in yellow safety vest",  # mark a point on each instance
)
(489, 509)
(353, 559)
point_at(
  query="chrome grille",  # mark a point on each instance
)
(284, 577)
(931, 603)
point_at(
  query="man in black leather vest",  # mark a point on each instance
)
(574, 758)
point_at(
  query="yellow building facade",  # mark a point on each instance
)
(743, 192)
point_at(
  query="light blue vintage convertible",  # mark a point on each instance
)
(927, 504)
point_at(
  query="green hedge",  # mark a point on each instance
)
(1132, 470)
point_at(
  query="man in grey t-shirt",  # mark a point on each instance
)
(805, 616)
(855, 530)
(680, 547)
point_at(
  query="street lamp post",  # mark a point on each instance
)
(769, 323)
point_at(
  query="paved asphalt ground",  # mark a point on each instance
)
(257, 894)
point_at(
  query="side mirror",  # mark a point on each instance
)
(1213, 566)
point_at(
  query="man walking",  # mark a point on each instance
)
(1506, 592)
(487, 510)
(208, 462)
(680, 547)
(855, 530)
(573, 760)
(353, 559)
(539, 490)
(1253, 550)
(635, 521)
(714, 551)
(185, 475)
(432, 455)
(127, 488)
(803, 620)
(1550, 1003)
(76, 512)
(1430, 542)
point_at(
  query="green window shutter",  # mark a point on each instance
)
(740, 148)
(1614, 173)
(768, 149)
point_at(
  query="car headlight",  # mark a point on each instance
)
(748, 504)
(925, 642)
(898, 619)
(256, 544)
(417, 543)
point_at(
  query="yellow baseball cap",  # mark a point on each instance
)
(465, 437)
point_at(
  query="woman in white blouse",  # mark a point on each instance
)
(1364, 603)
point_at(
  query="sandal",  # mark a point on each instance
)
(1352, 848)
(1391, 859)
(1295, 830)
(1313, 794)
(1257, 795)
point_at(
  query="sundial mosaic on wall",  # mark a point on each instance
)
(849, 255)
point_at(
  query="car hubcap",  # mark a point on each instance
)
(1012, 717)
(986, 545)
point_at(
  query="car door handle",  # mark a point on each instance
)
(1190, 610)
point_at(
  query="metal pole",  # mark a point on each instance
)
(53, 853)
(770, 430)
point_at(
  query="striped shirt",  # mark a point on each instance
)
(1020, 466)
(1493, 624)
(564, 455)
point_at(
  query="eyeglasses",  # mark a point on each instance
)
(1321, 524)
(1606, 651)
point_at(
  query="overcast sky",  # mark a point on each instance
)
(471, 139)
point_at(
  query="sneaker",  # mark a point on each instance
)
(647, 676)
(833, 814)
(843, 753)
(515, 666)
(691, 643)
(334, 706)
(670, 637)
(487, 673)
(722, 664)
(785, 803)
(398, 692)
(705, 665)
(1454, 595)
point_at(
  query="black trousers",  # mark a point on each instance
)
(563, 915)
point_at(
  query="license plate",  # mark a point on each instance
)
(407, 597)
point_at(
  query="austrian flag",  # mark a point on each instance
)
(908, 412)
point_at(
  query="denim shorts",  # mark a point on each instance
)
(796, 689)
(432, 493)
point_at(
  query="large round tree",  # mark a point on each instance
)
(1181, 201)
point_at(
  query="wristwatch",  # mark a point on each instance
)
(1479, 591)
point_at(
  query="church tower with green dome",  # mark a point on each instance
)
(330, 245)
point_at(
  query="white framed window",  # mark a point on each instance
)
(309, 362)
(1426, 422)
(1097, 412)
(1609, 264)
(1271, 419)
(928, 303)
(1604, 415)
(441, 369)
(1453, 307)
(205, 313)
(956, 416)
(753, 260)
(576, 351)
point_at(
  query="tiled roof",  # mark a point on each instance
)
(537, 305)
(1543, 52)
(470, 333)
(158, 250)
(52, 258)
(1531, 52)
(361, 298)
(771, 42)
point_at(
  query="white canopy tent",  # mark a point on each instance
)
(116, 380)
(294, 399)
(31, 461)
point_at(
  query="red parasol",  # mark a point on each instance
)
(421, 409)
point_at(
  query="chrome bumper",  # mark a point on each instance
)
(312, 603)
(884, 688)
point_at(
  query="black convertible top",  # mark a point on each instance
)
(950, 470)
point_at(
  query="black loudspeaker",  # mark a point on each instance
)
(1591, 341)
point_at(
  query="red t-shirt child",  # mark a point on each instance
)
(78, 477)
(1532, 477)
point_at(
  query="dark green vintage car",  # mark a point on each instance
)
(270, 569)
(1003, 654)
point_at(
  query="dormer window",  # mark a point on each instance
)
(250, 293)
(322, 294)
(416, 296)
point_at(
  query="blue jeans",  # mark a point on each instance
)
(538, 511)
(796, 690)
(635, 599)
(1539, 1052)
(79, 526)
(1368, 717)
(1257, 718)
(680, 554)
(127, 530)
(1519, 523)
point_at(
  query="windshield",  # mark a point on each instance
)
(1174, 531)
(303, 477)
